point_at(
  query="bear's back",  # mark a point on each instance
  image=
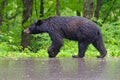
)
(71, 22)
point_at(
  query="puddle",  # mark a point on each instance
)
(60, 69)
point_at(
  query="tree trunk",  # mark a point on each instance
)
(2, 4)
(98, 7)
(27, 12)
(57, 7)
(78, 13)
(41, 8)
(88, 9)
(1, 17)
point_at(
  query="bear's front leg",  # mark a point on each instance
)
(51, 51)
(54, 49)
(57, 42)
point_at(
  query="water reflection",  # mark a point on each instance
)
(91, 69)
(29, 69)
(59, 69)
(55, 69)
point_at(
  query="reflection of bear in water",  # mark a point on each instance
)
(74, 28)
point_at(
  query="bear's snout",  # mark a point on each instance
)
(27, 31)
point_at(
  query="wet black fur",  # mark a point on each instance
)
(74, 28)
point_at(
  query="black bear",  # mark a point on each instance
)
(74, 28)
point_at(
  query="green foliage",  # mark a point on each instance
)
(75, 5)
(37, 42)
(111, 35)
(110, 10)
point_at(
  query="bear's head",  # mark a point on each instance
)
(34, 28)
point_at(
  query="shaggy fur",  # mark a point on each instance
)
(74, 28)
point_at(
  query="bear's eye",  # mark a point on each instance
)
(39, 22)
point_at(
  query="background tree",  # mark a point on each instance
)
(27, 12)
(41, 8)
(98, 7)
(88, 9)
(1, 12)
(2, 4)
(78, 12)
(58, 7)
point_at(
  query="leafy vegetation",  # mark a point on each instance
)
(11, 28)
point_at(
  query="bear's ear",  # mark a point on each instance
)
(39, 22)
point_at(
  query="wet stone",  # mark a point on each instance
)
(60, 69)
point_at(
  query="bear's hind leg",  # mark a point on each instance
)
(82, 48)
(99, 45)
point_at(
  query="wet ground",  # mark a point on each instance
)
(60, 69)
